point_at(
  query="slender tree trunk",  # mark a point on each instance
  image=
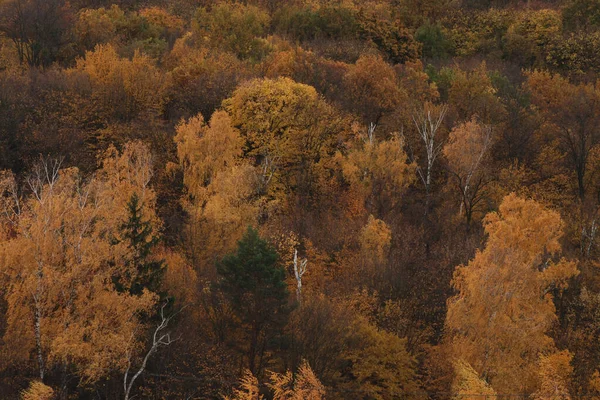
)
(38, 323)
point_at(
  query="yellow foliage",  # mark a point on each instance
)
(498, 320)
(594, 383)
(467, 382)
(555, 373)
(219, 184)
(375, 240)
(37, 391)
(378, 173)
(381, 366)
(248, 388)
(466, 147)
(472, 94)
(304, 386)
(123, 87)
(60, 261)
(160, 17)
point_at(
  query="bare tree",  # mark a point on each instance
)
(299, 270)
(160, 338)
(428, 122)
(370, 137)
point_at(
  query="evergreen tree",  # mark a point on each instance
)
(141, 240)
(254, 283)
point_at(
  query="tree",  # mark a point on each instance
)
(37, 391)
(38, 28)
(62, 285)
(472, 94)
(139, 236)
(58, 263)
(288, 128)
(395, 41)
(375, 239)
(304, 386)
(201, 79)
(234, 27)
(255, 285)
(123, 88)
(428, 122)
(380, 366)
(498, 321)
(466, 150)
(249, 388)
(220, 186)
(299, 271)
(378, 173)
(287, 386)
(572, 114)
(160, 338)
(372, 88)
(555, 372)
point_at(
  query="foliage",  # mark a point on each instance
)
(37, 391)
(123, 88)
(255, 285)
(234, 27)
(467, 382)
(308, 23)
(434, 43)
(367, 139)
(394, 41)
(505, 288)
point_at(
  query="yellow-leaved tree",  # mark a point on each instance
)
(499, 319)
(467, 152)
(378, 173)
(220, 186)
(289, 129)
(63, 247)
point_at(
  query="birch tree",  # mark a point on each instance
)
(468, 145)
(498, 322)
(299, 270)
(58, 262)
(429, 142)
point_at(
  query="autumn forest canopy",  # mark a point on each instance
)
(299, 199)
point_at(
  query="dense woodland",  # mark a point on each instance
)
(299, 199)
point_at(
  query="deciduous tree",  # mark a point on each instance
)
(498, 321)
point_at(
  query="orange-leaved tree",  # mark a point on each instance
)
(499, 319)
(60, 254)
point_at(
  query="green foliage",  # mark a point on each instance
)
(526, 40)
(434, 43)
(251, 276)
(141, 240)
(474, 32)
(150, 30)
(442, 78)
(581, 15)
(254, 282)
(302, 24)
(576, 55)
(234, 27)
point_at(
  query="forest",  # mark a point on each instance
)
(300, 199)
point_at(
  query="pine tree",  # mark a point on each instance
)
(141, 240)
(254, 282)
